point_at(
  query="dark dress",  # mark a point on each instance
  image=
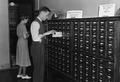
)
(37, 53)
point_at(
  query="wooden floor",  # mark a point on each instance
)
(9, 75)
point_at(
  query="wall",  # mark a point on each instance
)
(37, 4)
(89, 7)
(4, 35)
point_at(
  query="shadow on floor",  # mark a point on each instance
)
(9, 75)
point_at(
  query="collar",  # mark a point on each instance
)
(39, 19)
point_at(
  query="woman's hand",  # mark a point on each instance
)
(27, 35)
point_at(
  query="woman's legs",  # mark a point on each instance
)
(24, 71)
(20, 70)
(24, 75)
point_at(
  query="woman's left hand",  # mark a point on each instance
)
(27, 35)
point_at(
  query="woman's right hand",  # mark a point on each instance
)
(27, 35)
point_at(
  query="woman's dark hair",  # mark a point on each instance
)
(24, 17)
(45, 9)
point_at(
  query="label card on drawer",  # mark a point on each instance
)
(106, 10)
(57, 34)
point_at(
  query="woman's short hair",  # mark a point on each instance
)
(24, 17)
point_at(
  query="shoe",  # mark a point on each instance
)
(18, 76)
(26, 77)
